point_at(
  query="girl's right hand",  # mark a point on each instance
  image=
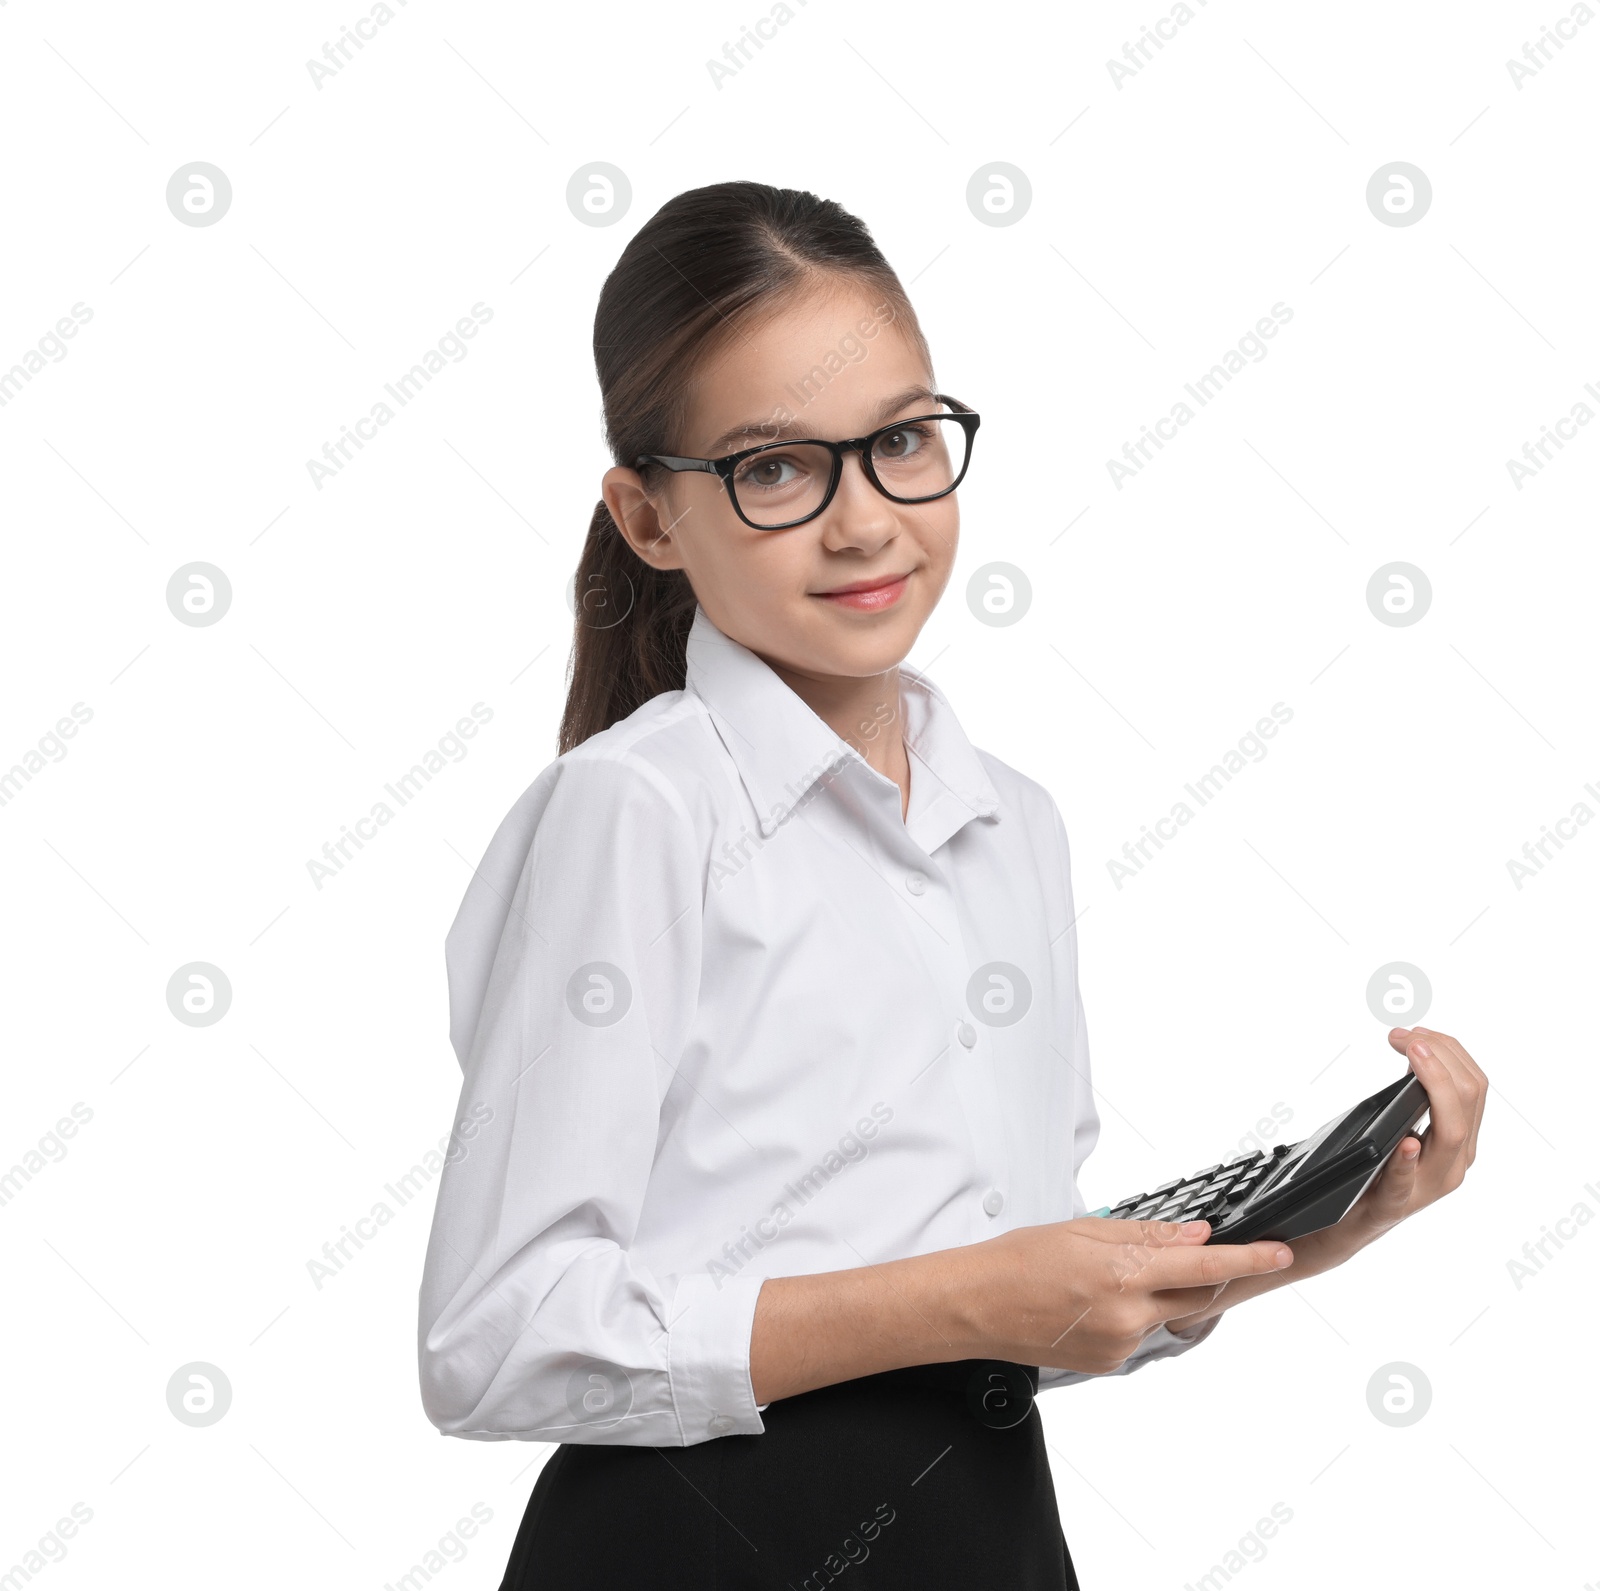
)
(1082, 1295)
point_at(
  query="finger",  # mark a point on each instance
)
(1174, 1302)
(1135, 1250)
(1211, 1265)
(1470, 1094)
(1477, 1086)
(1399, 1038)
(1449, 1108)
(1105, 1230)
(1456, 1047)
(1392, 1195)
(1474, 1082)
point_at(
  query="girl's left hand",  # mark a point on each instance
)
(1418, 1172)
(1421, 1171)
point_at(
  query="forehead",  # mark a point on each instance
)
(820, 365)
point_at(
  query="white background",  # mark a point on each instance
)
(1168, 215)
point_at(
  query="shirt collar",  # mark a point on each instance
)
(782, 748)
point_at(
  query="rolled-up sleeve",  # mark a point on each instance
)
(574, 967)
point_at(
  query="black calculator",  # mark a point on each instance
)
(1297, 1188)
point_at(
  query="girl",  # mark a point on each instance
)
(763, 1197)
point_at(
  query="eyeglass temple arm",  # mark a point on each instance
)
(707, 466)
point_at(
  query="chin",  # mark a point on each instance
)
(873, 649)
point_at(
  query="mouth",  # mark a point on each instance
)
(867, 596)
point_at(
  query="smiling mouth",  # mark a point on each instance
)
(867, 596)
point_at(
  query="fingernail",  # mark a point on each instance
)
(1411, 1154)
(1420, 1048)
(1194, 1226)
(1285, 1257)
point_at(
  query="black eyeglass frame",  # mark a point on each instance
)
(968, 419)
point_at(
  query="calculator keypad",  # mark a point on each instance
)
(1203, 1196)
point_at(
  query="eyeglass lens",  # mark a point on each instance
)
(917, 459)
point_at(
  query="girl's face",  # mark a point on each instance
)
(846, 594)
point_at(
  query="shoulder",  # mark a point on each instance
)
(667, 746)
(628, 800)
(604, 836)
(652, 774)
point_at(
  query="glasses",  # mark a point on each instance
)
(781, 484)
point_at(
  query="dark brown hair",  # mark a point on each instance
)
(704, 266)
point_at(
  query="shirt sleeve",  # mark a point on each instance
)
(574, 970)
(1160, 1343)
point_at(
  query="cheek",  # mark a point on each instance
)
(941, 535)
(744, 576)
(939, 539)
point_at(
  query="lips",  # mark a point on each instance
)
(867, 596)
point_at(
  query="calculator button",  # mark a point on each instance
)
(1142, 1213)
(1210, 1171)
(1167, 1187)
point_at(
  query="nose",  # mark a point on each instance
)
(859, 516)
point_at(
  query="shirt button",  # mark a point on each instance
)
(916, 883)
(720, 1424)
(994, 1201)
(967, 1033)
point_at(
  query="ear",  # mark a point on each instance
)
(644, 522)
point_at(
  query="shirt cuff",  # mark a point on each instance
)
(708, 1357)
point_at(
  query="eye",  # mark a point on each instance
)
(902, 443)
(765, 471)
(777, 471)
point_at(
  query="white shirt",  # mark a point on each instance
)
(723, 1014)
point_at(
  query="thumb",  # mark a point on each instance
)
(1160, 1233)
(1389, 1198)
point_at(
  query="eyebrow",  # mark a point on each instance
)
(766, 431)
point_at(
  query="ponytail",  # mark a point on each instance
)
(631, 632)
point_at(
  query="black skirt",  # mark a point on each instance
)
(929, 1477)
